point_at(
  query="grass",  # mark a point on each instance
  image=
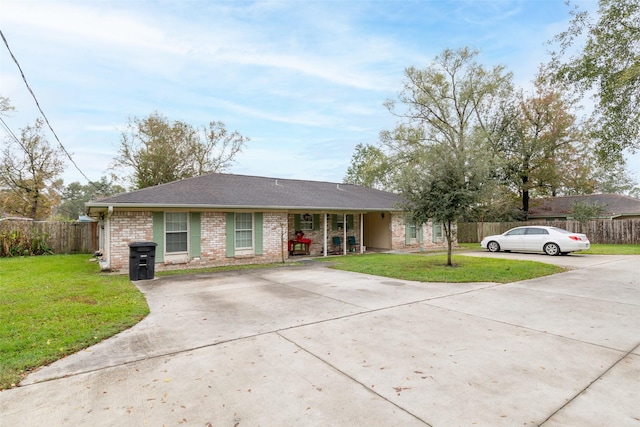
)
(433, 268)
(613, 250)
(596, 249)
(53, 306)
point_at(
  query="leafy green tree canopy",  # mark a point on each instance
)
(75, 195)
(369, 167)
(29, 174)
(587, 211)
(157, 151)
(439, 148)
(607, 63)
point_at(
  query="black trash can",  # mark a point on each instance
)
(142, 260)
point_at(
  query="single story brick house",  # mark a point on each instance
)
(615, 207)
(226, 219)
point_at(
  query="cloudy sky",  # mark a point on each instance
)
(304, 80)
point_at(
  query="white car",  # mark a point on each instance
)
(537, 238)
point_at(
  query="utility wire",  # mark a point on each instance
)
(42, 112)
(9, 132)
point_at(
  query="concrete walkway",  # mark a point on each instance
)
(311, 346)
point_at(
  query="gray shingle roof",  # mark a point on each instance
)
(615, 205)
(241, 191)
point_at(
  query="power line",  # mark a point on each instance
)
(42, 112)
(11, 134)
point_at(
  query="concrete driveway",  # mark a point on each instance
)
(310, 346)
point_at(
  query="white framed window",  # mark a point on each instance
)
(176, 227)
(339, 223)
(244, 231)
(412, 231)
(306, 221)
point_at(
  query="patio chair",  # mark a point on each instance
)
(337, 245)
(353, 245)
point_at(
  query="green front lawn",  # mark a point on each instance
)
(596, 249)
(53, 306)
(432, 267)
(599, 249)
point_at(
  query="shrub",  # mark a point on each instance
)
(23, 240)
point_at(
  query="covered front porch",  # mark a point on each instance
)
(337, 233)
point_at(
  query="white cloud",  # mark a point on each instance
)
(305, 80)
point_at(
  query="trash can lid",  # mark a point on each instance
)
(142, 244)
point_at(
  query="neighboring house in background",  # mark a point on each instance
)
(226, 219)
(560, 208)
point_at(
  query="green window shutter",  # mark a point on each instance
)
(436, 232)
(420, 232)
(296, 222)
(316, 221)
(158, 235)
(349, 222)
(231, 235)
(407, 233)
(195, 235)
(257, 221)
(334, 222)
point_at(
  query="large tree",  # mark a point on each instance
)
(157, 151)
(541, 147)
(439, 148)
(75, 195)
(369, 167)
(29, 174)
(442, 191)
(607, 64)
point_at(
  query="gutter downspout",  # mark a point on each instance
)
(105, 262)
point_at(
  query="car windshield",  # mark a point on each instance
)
(560, 230)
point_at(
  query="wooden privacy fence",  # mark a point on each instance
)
(61, 237)
(605, 231)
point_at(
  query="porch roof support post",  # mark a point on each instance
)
(361, 233)
(344, 234)
(324, 222)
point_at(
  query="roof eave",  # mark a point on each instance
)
(104, 206)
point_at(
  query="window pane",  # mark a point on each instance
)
(516, 232)
(176, 242)
(412, 231)
(243, 239)
(244, 230)
(176, 221)
(176, 231)
(243, 221)
(306, 222)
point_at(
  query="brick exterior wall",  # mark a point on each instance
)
(398, 238)
(278, 229)
(128, 227)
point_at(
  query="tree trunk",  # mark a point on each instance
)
(449, 236)
(525, 203)
(525, 196)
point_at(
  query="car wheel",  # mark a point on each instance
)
(493, 246)
(551, 249)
